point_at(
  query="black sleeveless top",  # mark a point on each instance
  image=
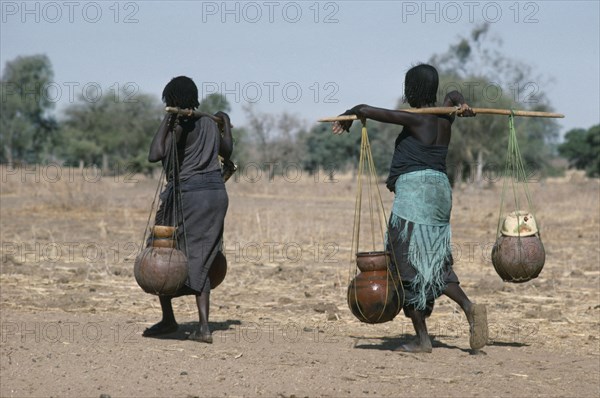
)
(412, 155)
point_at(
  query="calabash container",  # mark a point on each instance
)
(518, 254)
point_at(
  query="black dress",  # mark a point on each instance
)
(203, 201)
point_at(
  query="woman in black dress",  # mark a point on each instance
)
(203, 203)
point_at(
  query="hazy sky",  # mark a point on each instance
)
(309, 58)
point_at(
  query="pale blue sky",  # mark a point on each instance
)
(300, 57)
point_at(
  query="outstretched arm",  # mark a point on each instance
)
(379, 114)
(388, 116)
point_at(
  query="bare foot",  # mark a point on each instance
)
(202, 334)
(160, 328)
(201, 337)
(415, 347)
(478, 326)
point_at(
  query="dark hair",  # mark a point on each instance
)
(181, 92)
(420, 86)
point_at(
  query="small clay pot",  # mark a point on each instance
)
(518, 259)
(163, 231)
(372, 261)
(162, 242)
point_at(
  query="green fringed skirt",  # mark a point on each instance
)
(419, 237)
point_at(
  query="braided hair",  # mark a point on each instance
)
(420, 86)
(181, 92)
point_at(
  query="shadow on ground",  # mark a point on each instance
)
(186, 328)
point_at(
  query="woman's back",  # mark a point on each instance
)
(432, 130)
(420, 148)
(201, 152)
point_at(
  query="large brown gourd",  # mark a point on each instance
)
(161, 268)
(374, 295)
(518, 254)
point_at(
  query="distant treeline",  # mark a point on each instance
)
(116, 127)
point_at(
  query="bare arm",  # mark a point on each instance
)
(226, 147)
(454, 98)
(158, 146)
(379, 114)
(388, 116)
(417, 123)
(162, 139)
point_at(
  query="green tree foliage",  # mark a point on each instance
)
(582, 148)
(487, 78)
(213, 103)
(115, 132)
(26, 125)
(326, 152)
(110, 132)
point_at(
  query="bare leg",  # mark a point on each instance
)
(167, 324)
(476, 315)
(422, 342)
(457, 295)
(203, 302)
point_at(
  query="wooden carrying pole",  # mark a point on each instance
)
(450, 110)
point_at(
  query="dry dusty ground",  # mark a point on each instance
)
(72, 314)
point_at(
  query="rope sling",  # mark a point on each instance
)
(173, 199)
(514, 170)
(160, 267)
(518, 254)
(375, 295)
